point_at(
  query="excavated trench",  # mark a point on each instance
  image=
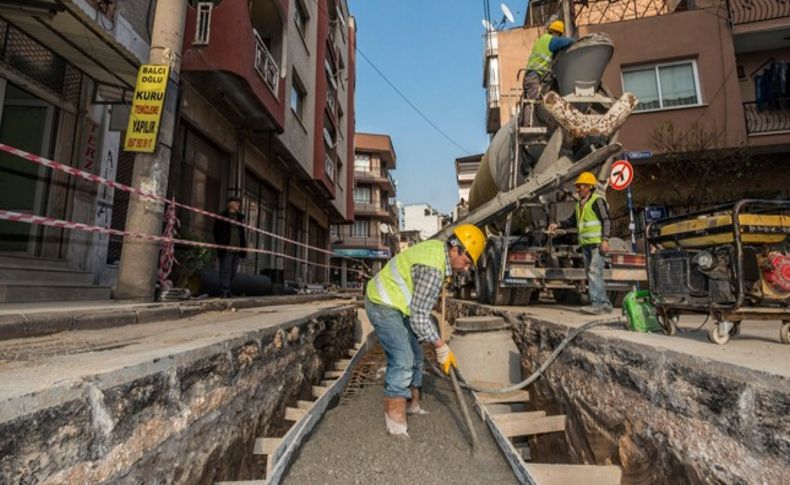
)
(662, 416)
(351, 446)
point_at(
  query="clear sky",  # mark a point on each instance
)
(432, 51)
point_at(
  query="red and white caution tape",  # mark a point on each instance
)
(60, 223)
(153, 196)
(167, 257)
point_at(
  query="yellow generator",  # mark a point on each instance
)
(731, 262)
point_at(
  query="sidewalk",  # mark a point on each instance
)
(20, 320)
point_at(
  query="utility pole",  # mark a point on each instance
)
(140, 259)
(567, 14)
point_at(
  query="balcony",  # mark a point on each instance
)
(244, 85)
(752, 11)
(767, 118)
(265, 65)
(376, 176)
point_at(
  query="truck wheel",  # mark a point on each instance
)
(565, 296)
(466, 292)
(616, 298)
(497, 295)
(523, 296)
(480, 285)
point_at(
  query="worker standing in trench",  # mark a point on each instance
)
(593, 225)
(399, 300)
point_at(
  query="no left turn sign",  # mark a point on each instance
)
(622, 175)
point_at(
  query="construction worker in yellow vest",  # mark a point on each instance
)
(399, 300)
(542, 54)
(591, 219)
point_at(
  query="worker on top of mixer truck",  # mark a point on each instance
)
(540, 58)
(591, 219)
(399, 300)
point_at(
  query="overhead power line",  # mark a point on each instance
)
(400, 93)
(413, 106)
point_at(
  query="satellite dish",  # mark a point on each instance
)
(508, 14)
(384, 228)
(487, 25)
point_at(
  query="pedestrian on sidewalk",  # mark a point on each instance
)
(228, 234)
(591, 219)
(399, 300)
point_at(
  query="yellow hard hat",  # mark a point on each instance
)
(587, 178)
(472, 238)
(557, 26)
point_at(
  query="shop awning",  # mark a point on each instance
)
(67, 30)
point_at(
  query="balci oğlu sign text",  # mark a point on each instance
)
(146, 113)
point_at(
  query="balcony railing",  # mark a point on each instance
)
(331, 102)
(265, 65)
(767, 117)
(750, 11)
(374, 175)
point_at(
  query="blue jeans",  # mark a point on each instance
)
(404, 354)
(593, 266)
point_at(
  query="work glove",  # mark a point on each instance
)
(446, 358)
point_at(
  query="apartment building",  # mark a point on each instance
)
(63, 66)
(713, 106)
(465, 171)
(265, 113)
(424, 219)
(373, 238)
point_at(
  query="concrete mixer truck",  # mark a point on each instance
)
(525, 182)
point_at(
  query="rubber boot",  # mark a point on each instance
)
(395, 416)
(414, 403)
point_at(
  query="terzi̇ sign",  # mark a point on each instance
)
(149, 98)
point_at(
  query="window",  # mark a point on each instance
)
(362, 195)
(334, 230)
(298, 95)
(664, 86)
(360, 228)
(300, 18)
(362, 162)
(203, 20)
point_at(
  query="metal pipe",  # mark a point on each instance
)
(467, 419)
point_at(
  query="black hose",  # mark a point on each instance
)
(534, 376)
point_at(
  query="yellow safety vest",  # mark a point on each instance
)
(540, 59)
(393, 285)
(590, 228)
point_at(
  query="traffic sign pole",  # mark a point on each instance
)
(631, 223)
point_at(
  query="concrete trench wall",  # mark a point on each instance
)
(664, 417)
(194, 421)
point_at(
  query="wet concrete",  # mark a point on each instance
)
(351, 446)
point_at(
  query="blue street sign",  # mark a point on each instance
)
(655, 213)
(639, 155)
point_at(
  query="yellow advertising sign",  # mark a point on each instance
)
(149, 99)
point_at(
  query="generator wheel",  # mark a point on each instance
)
(736, 328)
(784, 332)
(715, 336)
(669, 323)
